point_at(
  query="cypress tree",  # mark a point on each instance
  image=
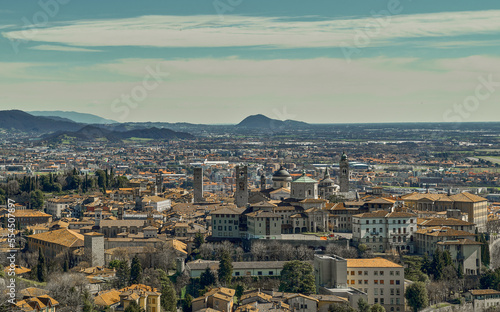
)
(135, 271)
(41, 267)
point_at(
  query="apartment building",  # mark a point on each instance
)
(226, 222)
(461, 244)
(381, 279)
(382, 230)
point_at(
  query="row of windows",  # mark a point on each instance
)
(248, 273)
(227, 222)
(376, 282)
(391, 273)
(380, 221)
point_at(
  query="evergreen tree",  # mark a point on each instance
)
(135, 271)
(460, 271)
(122, 274)
(363, 306)
(133, 307)
(437, 264)
(187, 303)
(377, 308)
(207, 278)
(416, 294)
(426, 264)
(485, 251)
(225, 272)
(168, 294)
(239, 292)
(198, 240)
(447, 258)
(41, 267)
(298, 277)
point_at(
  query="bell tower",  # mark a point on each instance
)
(344, 173)
(241, 194)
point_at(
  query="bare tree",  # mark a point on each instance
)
(304, 253)
(207, 251)
(67, 288)
(258, 251)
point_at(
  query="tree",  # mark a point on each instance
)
(340, 307)
(485, 250)
(363, 306)
(135, 271)
(437, 264)
(198, 240)
(447, 258)
(41, 267)
(133, 307)
(168, 294)
(426, 264)
(207, 278)
(225, 272)
(37, 199)
(122, 274)
(101, 178)
(377, 308)
(298, 277)
(239, 292)
(417, 297)
(88, 302)
(460, 270)
(187, 303)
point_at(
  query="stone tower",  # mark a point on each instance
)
(93, 244)
(241, 194)
(344, 174)
(198, 184)
(97, 218)
(159, 183)
(262, 182)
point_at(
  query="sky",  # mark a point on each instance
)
(219, 61)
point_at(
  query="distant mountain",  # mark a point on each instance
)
(74, 116)
(96, 133)
(263, 122)
(22, 121)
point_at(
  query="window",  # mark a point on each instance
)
(397, 282)
(366, 282)
(397, 273)
(381, 282)
(391, 282)
(366, 272)
(236, 273)
(375, 282)
(259, 273)
(391, 273)
(381, 272)
(271, 272)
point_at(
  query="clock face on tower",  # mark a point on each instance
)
(242, 186)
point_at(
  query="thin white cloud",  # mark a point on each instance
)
(233, 30)
(47, 47)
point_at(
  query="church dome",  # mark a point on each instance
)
(282, 175)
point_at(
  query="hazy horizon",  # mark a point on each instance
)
(218, 62)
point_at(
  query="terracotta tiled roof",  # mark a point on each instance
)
(64, 237)
(371, 263)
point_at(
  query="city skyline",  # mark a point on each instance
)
(219, 62)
